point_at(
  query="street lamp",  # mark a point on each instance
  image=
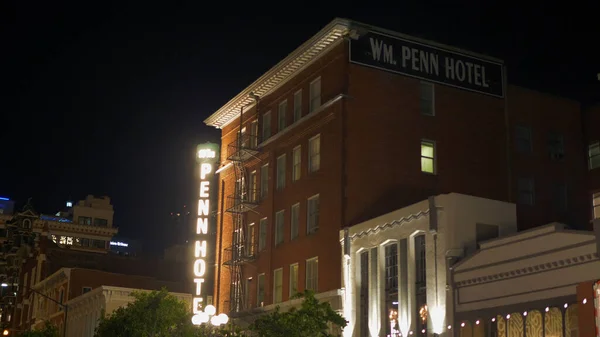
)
(209, 316)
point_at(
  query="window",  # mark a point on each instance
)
(262, 237)
(260, 291)
(556, 146)
(252, 187)
(281, 172)
(266, 126)
(86, 290)
(315, 94)
(428, 156)
(248, 305)
(420, 278)
(277, 285)
(84, 220)
(297, 105)
(297, 163)
(281, 115)
(314, 153)
(279, 226)
(525, 188)
(391, 288)
(523, 139)
(364, 294)
(251, 237)
(312, 223)
(293, 279)
(294, 221)
(100, 222)
(264, 181)
(594, 155)
(596, 205)
(560, 197)
(254, 134)
(427, 99)
(312, 274)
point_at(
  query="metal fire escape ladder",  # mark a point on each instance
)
(242, 201)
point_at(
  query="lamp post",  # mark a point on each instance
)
(209, 316)
(64, 306)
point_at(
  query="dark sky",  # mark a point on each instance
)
(111, 100)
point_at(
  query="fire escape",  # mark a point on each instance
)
(243, 247)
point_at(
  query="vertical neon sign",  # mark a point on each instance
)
(207, 156)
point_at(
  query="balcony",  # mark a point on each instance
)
(242, 202)
(243, 148)
(239, 254)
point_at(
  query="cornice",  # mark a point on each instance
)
(391, 224)
(286, 69)
(532, 269)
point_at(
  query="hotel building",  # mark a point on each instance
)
(359, 122)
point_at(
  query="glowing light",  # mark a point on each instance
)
(437, 315)
(524, 313)
(584, 300)
(69, 204)
(423, 331)
(508, 316)
(477, 322)
(566, 305)
(210, 310)
(449, 327)
(547, 309)
(223, 318)
(410, 332)
(462, 325)
(215, 321)
(120, 244)
(4, 285)
(4, 198)
(494, 319)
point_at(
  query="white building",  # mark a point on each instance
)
(525, 285)
(86, 310)
(396, 275)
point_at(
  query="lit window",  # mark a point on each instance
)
(281, 172)
(523, 139)
(315, 94)
(266, 126)
(312, 223)
(314, 153)
(428, 156)
(297, 105)
(294, 221)
(279, 226)
(281, 115)
(260, 289)
(264, 181)
(262, 237)
(526, 189)
(427, 99)
(596, 204)
(293, 279)
(594, 155)
(312, 274)
(251, 237)
(297, 162)
(277, 285)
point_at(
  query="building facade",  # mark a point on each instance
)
(360, 121)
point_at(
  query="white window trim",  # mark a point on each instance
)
(316, 196)
(316, 258)
(275, 285)
(432, 142)
(290, 279)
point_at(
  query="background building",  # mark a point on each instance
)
(360, 121)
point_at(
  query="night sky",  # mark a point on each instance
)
(111, 100)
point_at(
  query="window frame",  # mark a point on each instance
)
(297, 166)
(282, 115)
(266, 128)
(432, 143)
(312, 156)
(262, 241)
(264, 183)
(315, 102)
(523, 134)
(297, 105)
(294, 222)
(308, 285)
(520, 191)
(596, 206)
(595, 147)
(279, 227)
(275, 287)
(293, 280)
(280, 172)
(312, 229)
(260, 277)
(431, 86)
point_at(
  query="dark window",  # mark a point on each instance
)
(421, 282)
(391, 289)
(561, 197)
(523, 139)
(364, 294)
(526, 190)
(556, 146)
(84, 220)
(100, 222)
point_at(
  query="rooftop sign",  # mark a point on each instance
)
(427, 62)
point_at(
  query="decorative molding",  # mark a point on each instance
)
(285, 70)
(519, 272)
(395, 223)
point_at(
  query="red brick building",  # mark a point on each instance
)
(359, 121)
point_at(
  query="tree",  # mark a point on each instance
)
(312, 319)
(48, 330)
(151, 314)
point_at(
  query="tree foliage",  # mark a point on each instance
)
(48, 330)
(312, 319)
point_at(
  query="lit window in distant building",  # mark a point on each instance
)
(281, 172)
(312, 274)
(254, 134)
(264, 181)
(293, 279)
(312, 216)
(297, 105)
(262, 235)
(281, 116)
(251, 237)
(278, 285)
(596, 204)
(252, 186)
(594, 155)
(314, 153)
(279, 227)
(266, 126)
(297, 163)
(84, 220)
(315, 94)
(427, 99)
(526, 190)
(260, 290)
(523, 139)
(428, 156)
(294, 221)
